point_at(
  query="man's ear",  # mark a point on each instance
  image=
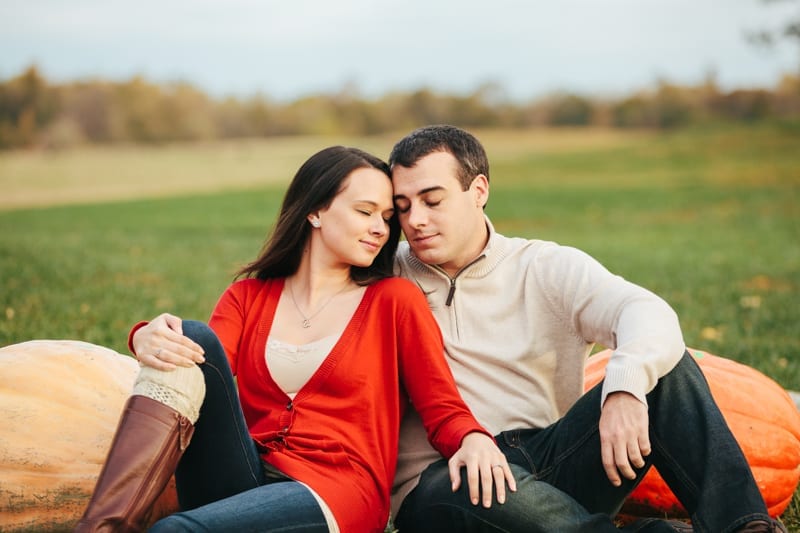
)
(480, 186)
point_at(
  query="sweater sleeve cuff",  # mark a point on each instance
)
(632, 379)
(134, 329)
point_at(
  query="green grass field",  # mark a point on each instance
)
(95, 239)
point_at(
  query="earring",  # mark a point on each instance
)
(315, 223)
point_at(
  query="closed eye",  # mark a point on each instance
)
(401, 204)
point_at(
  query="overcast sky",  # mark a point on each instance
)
(289, 48)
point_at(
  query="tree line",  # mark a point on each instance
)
(37, 113)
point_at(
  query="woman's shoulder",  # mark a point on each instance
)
(398, 290)
(248, 286)
(244, 284)
(394, 283)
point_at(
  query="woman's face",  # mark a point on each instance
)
(355, 226)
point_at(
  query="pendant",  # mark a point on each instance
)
(306, 323)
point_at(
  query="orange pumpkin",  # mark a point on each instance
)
(763, 418)
(60, 403)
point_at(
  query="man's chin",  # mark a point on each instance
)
(427, 256)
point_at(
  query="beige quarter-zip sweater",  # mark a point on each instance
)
(518, 324)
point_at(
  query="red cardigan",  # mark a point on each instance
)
(339, 435)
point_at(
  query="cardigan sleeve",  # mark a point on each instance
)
(228, 319)
(427, 379)
(134, 329)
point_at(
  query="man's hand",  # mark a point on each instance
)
(486, 466)
(624, 436)
(161, 344)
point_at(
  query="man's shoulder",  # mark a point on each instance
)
(403, 261)
(543, 249)
(522, 250)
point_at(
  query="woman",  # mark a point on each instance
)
(317, 334)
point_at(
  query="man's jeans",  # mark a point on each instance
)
(692, 447)
(221, 483)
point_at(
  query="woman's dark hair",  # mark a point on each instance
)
(467, 150)
(314, 187)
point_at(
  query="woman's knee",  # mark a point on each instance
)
(202, 334)
(199, 332)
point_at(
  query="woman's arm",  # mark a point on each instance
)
(451, 427)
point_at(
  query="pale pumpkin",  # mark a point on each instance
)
(763, 418)
(60, 402)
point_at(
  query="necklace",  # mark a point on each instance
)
(307, 319)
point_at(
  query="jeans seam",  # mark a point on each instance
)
(567, 453)
(686, 480)
(239, 432)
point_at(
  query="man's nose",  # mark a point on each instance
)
(416, 217)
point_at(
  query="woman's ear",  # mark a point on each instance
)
(313, 219)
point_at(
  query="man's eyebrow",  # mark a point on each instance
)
(421, 192)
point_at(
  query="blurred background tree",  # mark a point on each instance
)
(789, 30)
(36, 113)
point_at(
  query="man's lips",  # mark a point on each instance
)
(423, 239)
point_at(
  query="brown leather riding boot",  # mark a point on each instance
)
(149, 442)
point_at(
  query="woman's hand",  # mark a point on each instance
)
(486, 466)
(162, 345)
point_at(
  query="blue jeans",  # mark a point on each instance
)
(562, 485)
(221, 483)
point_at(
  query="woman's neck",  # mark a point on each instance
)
(313, 285)
(315, 304)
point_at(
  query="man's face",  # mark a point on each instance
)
(444, 225)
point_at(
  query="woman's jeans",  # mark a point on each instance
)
(221, 482)
(692, 447)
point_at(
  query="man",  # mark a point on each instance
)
(519, 317)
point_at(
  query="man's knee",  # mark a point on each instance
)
(686, 373)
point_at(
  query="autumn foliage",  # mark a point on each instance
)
(35, 112)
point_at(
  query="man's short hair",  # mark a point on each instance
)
(467, 150)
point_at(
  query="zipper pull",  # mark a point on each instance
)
(452, 292)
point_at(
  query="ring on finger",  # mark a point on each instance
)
(497, 466)
(158, 352)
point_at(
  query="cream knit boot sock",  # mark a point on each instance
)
(182, 389)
